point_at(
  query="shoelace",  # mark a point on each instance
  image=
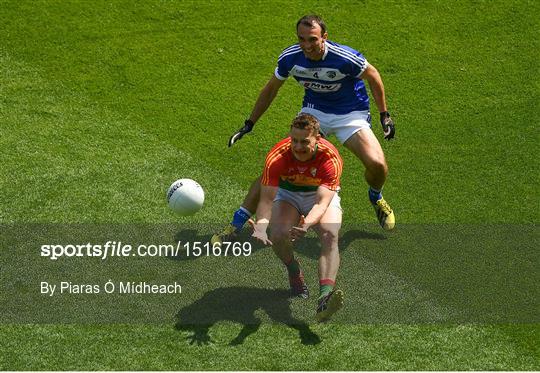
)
(323, 304)
(384, 206)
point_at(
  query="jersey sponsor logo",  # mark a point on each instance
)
(302, 169)
(320, 87)
(296, 71)
(301, 180)
(320, 73)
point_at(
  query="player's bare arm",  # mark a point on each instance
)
(371, 74)
(267, 95)
(264, 213)
(324, 197)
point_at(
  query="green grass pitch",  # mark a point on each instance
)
(104, 103)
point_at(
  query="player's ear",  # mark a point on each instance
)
(325, 36)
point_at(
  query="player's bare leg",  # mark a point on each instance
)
(328, 231)
(284, 217)
(366, 147)
(330, 300)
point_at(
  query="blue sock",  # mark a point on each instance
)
(240, 218)
(374, 195)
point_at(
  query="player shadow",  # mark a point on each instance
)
(186, 236)
(352, 235)
(239, 305)
(310, 246)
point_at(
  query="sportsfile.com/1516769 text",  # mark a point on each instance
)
(119, 249)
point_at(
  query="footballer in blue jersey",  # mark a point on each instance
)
(332, 76)
(332, 84)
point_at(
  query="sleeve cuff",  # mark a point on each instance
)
(364, 69)
(279, 76)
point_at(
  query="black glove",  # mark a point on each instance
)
(387, 125)
(248, 126)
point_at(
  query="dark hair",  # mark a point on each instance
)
(306, 121)
(309, 20)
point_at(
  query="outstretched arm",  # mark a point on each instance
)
(324, 197)
(264, 213)
(267, 95)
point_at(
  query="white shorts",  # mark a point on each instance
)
(343, 126)
(303, 201)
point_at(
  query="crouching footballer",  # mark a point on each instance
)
(299, 191)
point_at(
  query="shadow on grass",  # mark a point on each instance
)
(239, 305)
(310, 246)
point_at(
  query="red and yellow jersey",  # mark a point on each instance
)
(282, 169)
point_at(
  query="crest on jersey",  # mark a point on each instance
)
(313, 171)
(331, 74)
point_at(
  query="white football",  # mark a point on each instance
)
(185, 197)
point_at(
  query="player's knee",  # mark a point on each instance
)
(279, 234)
(378, 167)
(329, 238)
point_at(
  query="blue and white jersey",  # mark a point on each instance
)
(332, 84)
